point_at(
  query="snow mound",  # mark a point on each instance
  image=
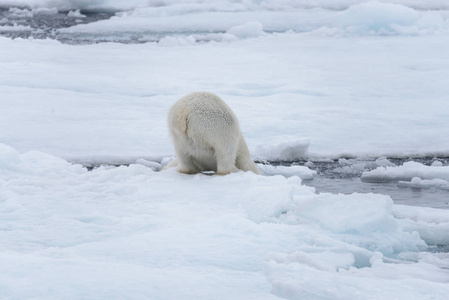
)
(135, 233)
(378, 17)
(431, 224)
(32, 162)
(406, 172)
(286, 151)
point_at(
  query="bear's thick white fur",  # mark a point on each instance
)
(207, 137)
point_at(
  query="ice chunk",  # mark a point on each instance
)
(419, 183)
(406, 172)
(431, 224)
(437, 163)
(75, 14)
(357, 166)
(303, 172)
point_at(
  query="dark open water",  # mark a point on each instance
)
(343, 176)
(44, 23)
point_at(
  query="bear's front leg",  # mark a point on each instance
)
(186, 164)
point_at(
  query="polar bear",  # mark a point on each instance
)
(207, 137)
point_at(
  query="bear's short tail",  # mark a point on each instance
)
(181, 120)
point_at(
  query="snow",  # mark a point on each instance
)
(371, 17)
(95, 101)
(135, 233)
(353, 80)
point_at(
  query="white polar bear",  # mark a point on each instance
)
(207, 137)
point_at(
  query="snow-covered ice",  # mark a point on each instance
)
(97, 101)
(411, 174)
(130, 232)
(312, 80)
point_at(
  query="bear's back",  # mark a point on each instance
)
(207, 106)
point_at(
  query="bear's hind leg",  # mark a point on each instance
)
(245, 163)
(184, 160)
(225, 162)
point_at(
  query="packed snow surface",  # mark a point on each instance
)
(131, 232)
(312, 80)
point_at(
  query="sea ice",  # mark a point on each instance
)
(307, 79)
(131, 232)
(128, 231)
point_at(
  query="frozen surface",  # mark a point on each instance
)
(308, 80)
(243, 21)
(130, 232)
(99, 102)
